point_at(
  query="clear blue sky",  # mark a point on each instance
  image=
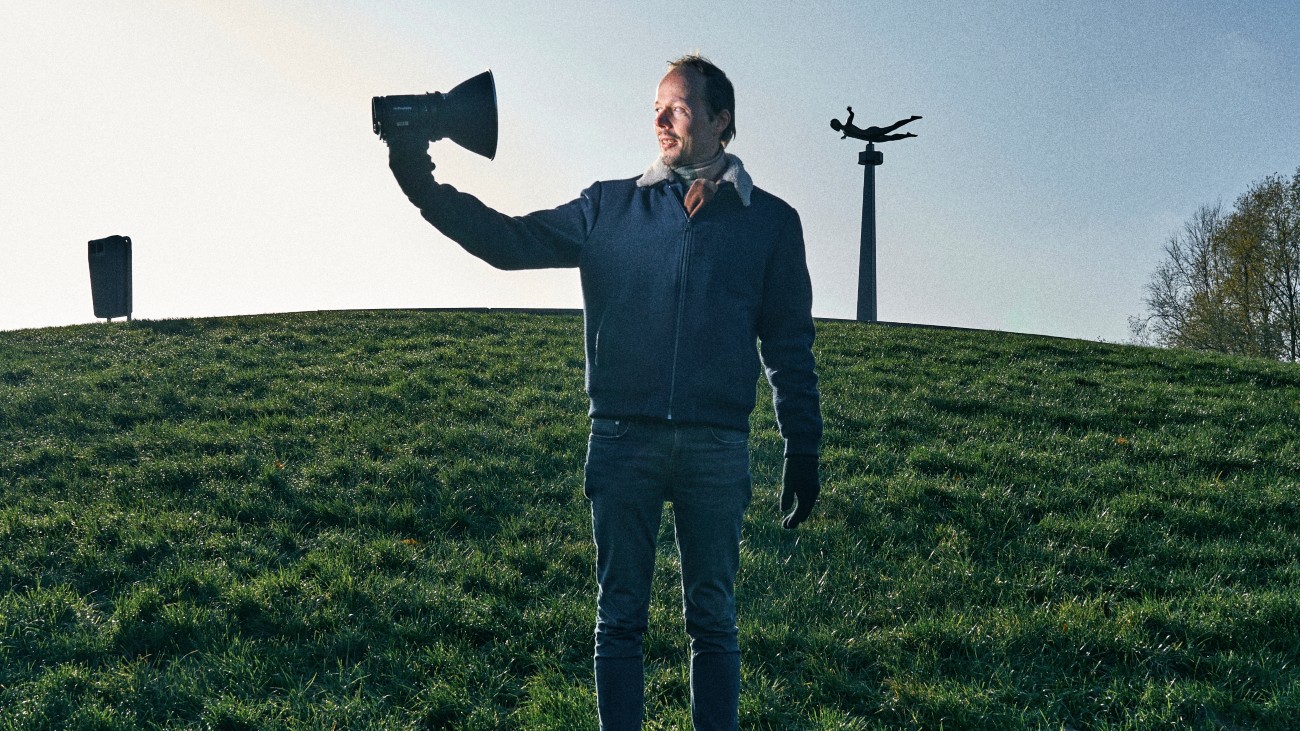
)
(1062, 143)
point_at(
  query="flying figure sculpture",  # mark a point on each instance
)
(871, 134)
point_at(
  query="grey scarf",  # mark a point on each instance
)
(733, 172)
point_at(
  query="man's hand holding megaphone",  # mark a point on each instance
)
(467, 115)
(408, 158)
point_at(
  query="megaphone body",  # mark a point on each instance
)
(466, 115)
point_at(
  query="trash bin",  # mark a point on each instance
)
(110, 276)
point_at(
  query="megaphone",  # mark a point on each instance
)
(467, 115)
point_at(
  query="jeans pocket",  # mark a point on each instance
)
(608, 428)
(729, 437)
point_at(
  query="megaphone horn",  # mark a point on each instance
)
(467, 115)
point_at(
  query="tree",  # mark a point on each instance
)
(1230, 282)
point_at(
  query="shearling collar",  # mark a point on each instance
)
(734, 173)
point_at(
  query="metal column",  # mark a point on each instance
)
(868, 159)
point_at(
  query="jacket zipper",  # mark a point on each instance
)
(683, 266)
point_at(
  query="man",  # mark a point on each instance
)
(686, 271)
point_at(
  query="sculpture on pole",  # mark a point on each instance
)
(871, 134)
(869, 159)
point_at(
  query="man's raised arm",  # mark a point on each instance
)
(540, 240)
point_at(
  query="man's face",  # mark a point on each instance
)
(687, 133)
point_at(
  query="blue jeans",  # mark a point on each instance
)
(633, 467)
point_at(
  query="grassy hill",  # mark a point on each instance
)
(375, 520)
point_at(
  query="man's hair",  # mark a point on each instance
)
(719, 94)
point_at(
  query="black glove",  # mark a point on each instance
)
(799, 484)
(408, 158)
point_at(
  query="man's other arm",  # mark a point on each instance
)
(786, 334)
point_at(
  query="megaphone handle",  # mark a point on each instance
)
(408, 158)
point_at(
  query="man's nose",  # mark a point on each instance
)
(661, 119)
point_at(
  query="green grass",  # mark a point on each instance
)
(374, 520)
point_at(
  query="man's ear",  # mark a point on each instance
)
(722, 121)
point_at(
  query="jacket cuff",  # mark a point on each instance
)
(808, 445)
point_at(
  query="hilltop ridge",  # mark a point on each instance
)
(375, 520)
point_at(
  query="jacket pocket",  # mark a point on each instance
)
(730, 437)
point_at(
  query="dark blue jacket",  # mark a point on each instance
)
(676, 308)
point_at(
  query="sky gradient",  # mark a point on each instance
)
(1061, 145)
